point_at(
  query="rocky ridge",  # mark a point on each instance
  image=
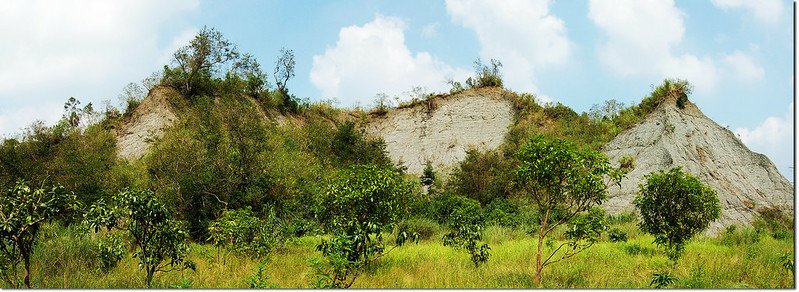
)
(746, 182)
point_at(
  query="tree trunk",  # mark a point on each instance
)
(538, 257)
(539, 266)
(150, 272)
(27, 258)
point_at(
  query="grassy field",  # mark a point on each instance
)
(63, 261)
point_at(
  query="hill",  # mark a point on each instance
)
(746, 182)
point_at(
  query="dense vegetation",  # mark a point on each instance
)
(228, 193)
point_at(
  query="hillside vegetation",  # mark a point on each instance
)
(251, 186)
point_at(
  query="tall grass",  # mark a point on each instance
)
(64, 260)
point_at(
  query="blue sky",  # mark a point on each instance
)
(737, 53)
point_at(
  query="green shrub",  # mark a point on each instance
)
(503, 212)
(616, 235)
(773, 221)
(362, 203)
(241, 231)
(425, 228)
(111, 251)
(674, 207)
(483, 176)
(160, 241)
(465, 221)
(485, 76)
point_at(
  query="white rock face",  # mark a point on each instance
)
(442, 134)
(745, 181)
(148, 122)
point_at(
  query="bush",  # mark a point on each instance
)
(503, 212)
(425, 228)
(674, 207)
(465, 221)
(773, 221)
(616, 235)
(483, 176)
(111, 251)
(362, 203)
(485, 76)
(241, 231)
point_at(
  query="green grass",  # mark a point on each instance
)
(65, 261)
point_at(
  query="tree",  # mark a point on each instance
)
(674, 207)
(609, 110)
(357, 208)
(248, 69)
(563, 181)
(160, 241)
(199, 61)
(284, 69)
(22, 212)
(465, 220)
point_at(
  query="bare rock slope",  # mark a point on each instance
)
(745, 181)
(441, 130)
(146, 124)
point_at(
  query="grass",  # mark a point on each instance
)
(62, 260)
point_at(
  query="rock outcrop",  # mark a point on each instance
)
(746, 182)
(442, 129)
(146, 124)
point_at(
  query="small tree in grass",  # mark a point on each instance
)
(160, 241)
(674, 207)
(357, 208)
(22, 211)
(564, 182)
(466, 221)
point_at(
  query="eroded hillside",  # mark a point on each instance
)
(746, 182)
(146, 124)
(441, 130)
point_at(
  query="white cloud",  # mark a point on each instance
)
(642, 36)
(743, 67)
(774, 138)
(87, 49)
(430, 31)
(522, 34)
(372, 59)
(766, 11)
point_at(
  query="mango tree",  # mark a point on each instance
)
(160, 242)
(357, 208)
(22, 211)
(564, 182)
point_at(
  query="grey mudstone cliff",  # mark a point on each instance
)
(746, 182)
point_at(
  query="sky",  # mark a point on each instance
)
(738, 54)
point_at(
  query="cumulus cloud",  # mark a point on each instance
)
(641, 37)
(522, 34)
(743, 66)
(373, 58)
(87, 49)
(766, 11)
(774, 138)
